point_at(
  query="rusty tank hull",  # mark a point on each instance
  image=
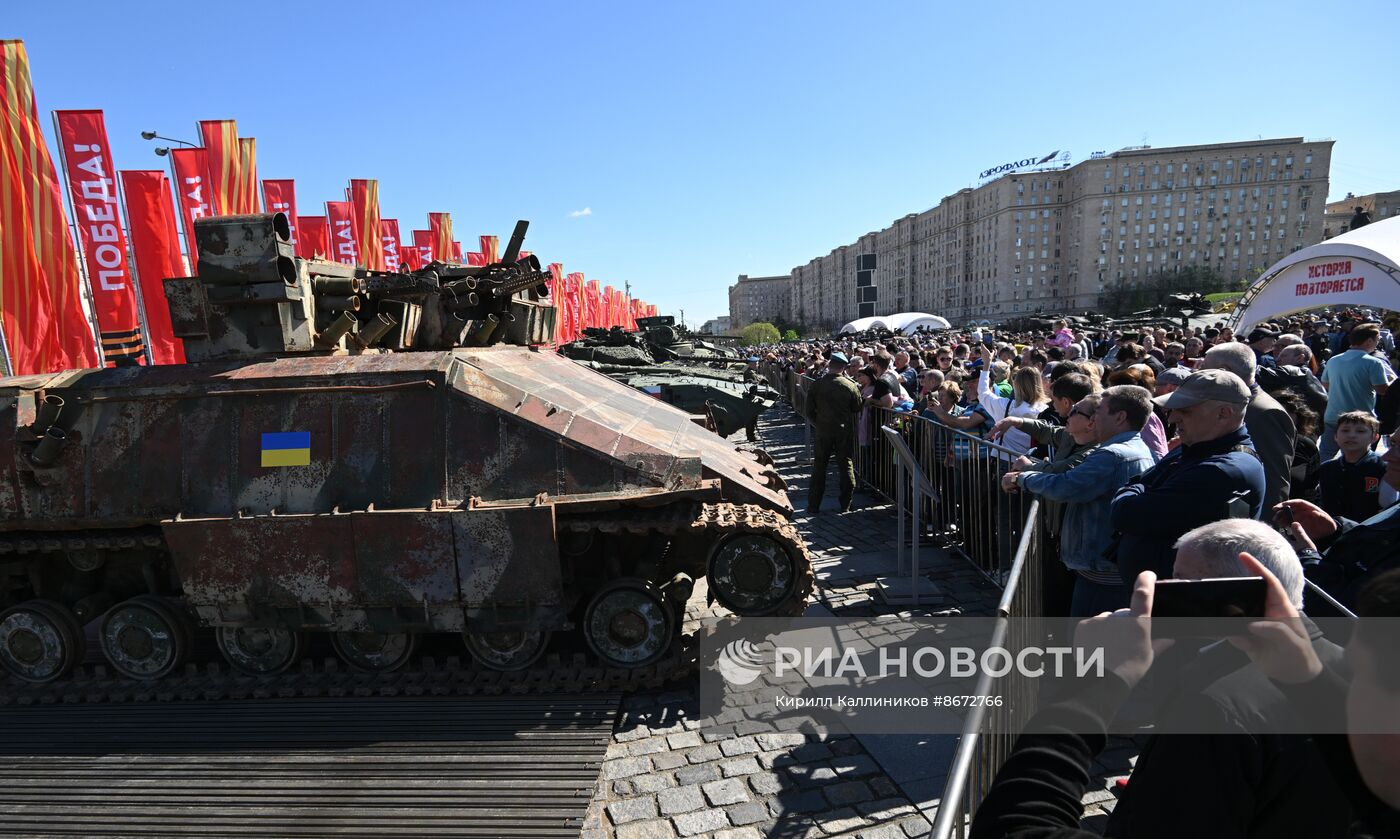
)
(499, 493)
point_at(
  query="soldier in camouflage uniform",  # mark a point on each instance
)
(832, 405)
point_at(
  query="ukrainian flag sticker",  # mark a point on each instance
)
(286, 448)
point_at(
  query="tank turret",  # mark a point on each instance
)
(253, 296)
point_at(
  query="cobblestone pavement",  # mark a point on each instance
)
(671, 773)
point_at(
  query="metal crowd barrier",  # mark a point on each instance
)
(989, 733)
(971, 515)
(999, 534)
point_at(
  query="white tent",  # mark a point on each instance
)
(904, 321)
(1357, 268)
(860, 325)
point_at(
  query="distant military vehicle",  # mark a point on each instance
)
(704, 379)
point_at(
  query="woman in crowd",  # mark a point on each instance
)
(1027, 400)
(1302, 481)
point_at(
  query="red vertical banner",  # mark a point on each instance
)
(491, 246)
(575, 304)
(191, 170)
(594, 299)
(457, 252)
(248, 174)
(364, 195)
(476, 258)
(389, 243)
(155, 247)
(313, 238)
(92, 186)
(224, 157)
(340, 216)
(40, 293)
(440, 224)
(556, 295)
(281, 197)
(423, 244)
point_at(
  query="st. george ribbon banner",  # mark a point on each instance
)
(224, 160)
(280, 196)
(40, 293)
(364, 196)
(440, 224)
(340, 218)
(191, 170)
(155, 247)
(556, 296)
(389, 241)
(92, 187)
(248, 175)
(313, 238)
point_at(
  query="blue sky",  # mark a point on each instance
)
(709, 140)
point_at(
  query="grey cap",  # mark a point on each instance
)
(1206, 386)
(1174, 376)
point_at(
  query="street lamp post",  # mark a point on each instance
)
(164, 150)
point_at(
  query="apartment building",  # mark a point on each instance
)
(1337, 219)
(754, 299)
(1056, 240)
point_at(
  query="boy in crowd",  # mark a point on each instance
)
(1350, 485)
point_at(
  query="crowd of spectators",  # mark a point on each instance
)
(1187, 453)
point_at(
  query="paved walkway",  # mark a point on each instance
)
(670, 773)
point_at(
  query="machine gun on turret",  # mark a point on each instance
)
(254, 296)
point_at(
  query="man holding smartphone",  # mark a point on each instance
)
(1038, 791)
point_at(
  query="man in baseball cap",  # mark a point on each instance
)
(1214, 474)
(1170, 379)
(1261, 339)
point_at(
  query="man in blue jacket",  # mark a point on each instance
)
(1088, 488)
(1214, 474)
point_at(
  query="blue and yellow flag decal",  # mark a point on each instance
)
(286, 448)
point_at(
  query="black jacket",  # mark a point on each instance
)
(1039, 791)
(1249, 776)
(1192, 486)
(1302, 480)
(1299, 380)
(1354, 554)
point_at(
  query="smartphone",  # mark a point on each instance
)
(1220, 597)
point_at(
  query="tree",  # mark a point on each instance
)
(790, 335)
(759, 333)
(1124, 298)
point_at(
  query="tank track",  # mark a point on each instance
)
(448, 676)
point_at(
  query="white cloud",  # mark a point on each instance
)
(586, 211)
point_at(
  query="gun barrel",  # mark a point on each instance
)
(517, 241)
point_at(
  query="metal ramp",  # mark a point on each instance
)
(309, 767)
